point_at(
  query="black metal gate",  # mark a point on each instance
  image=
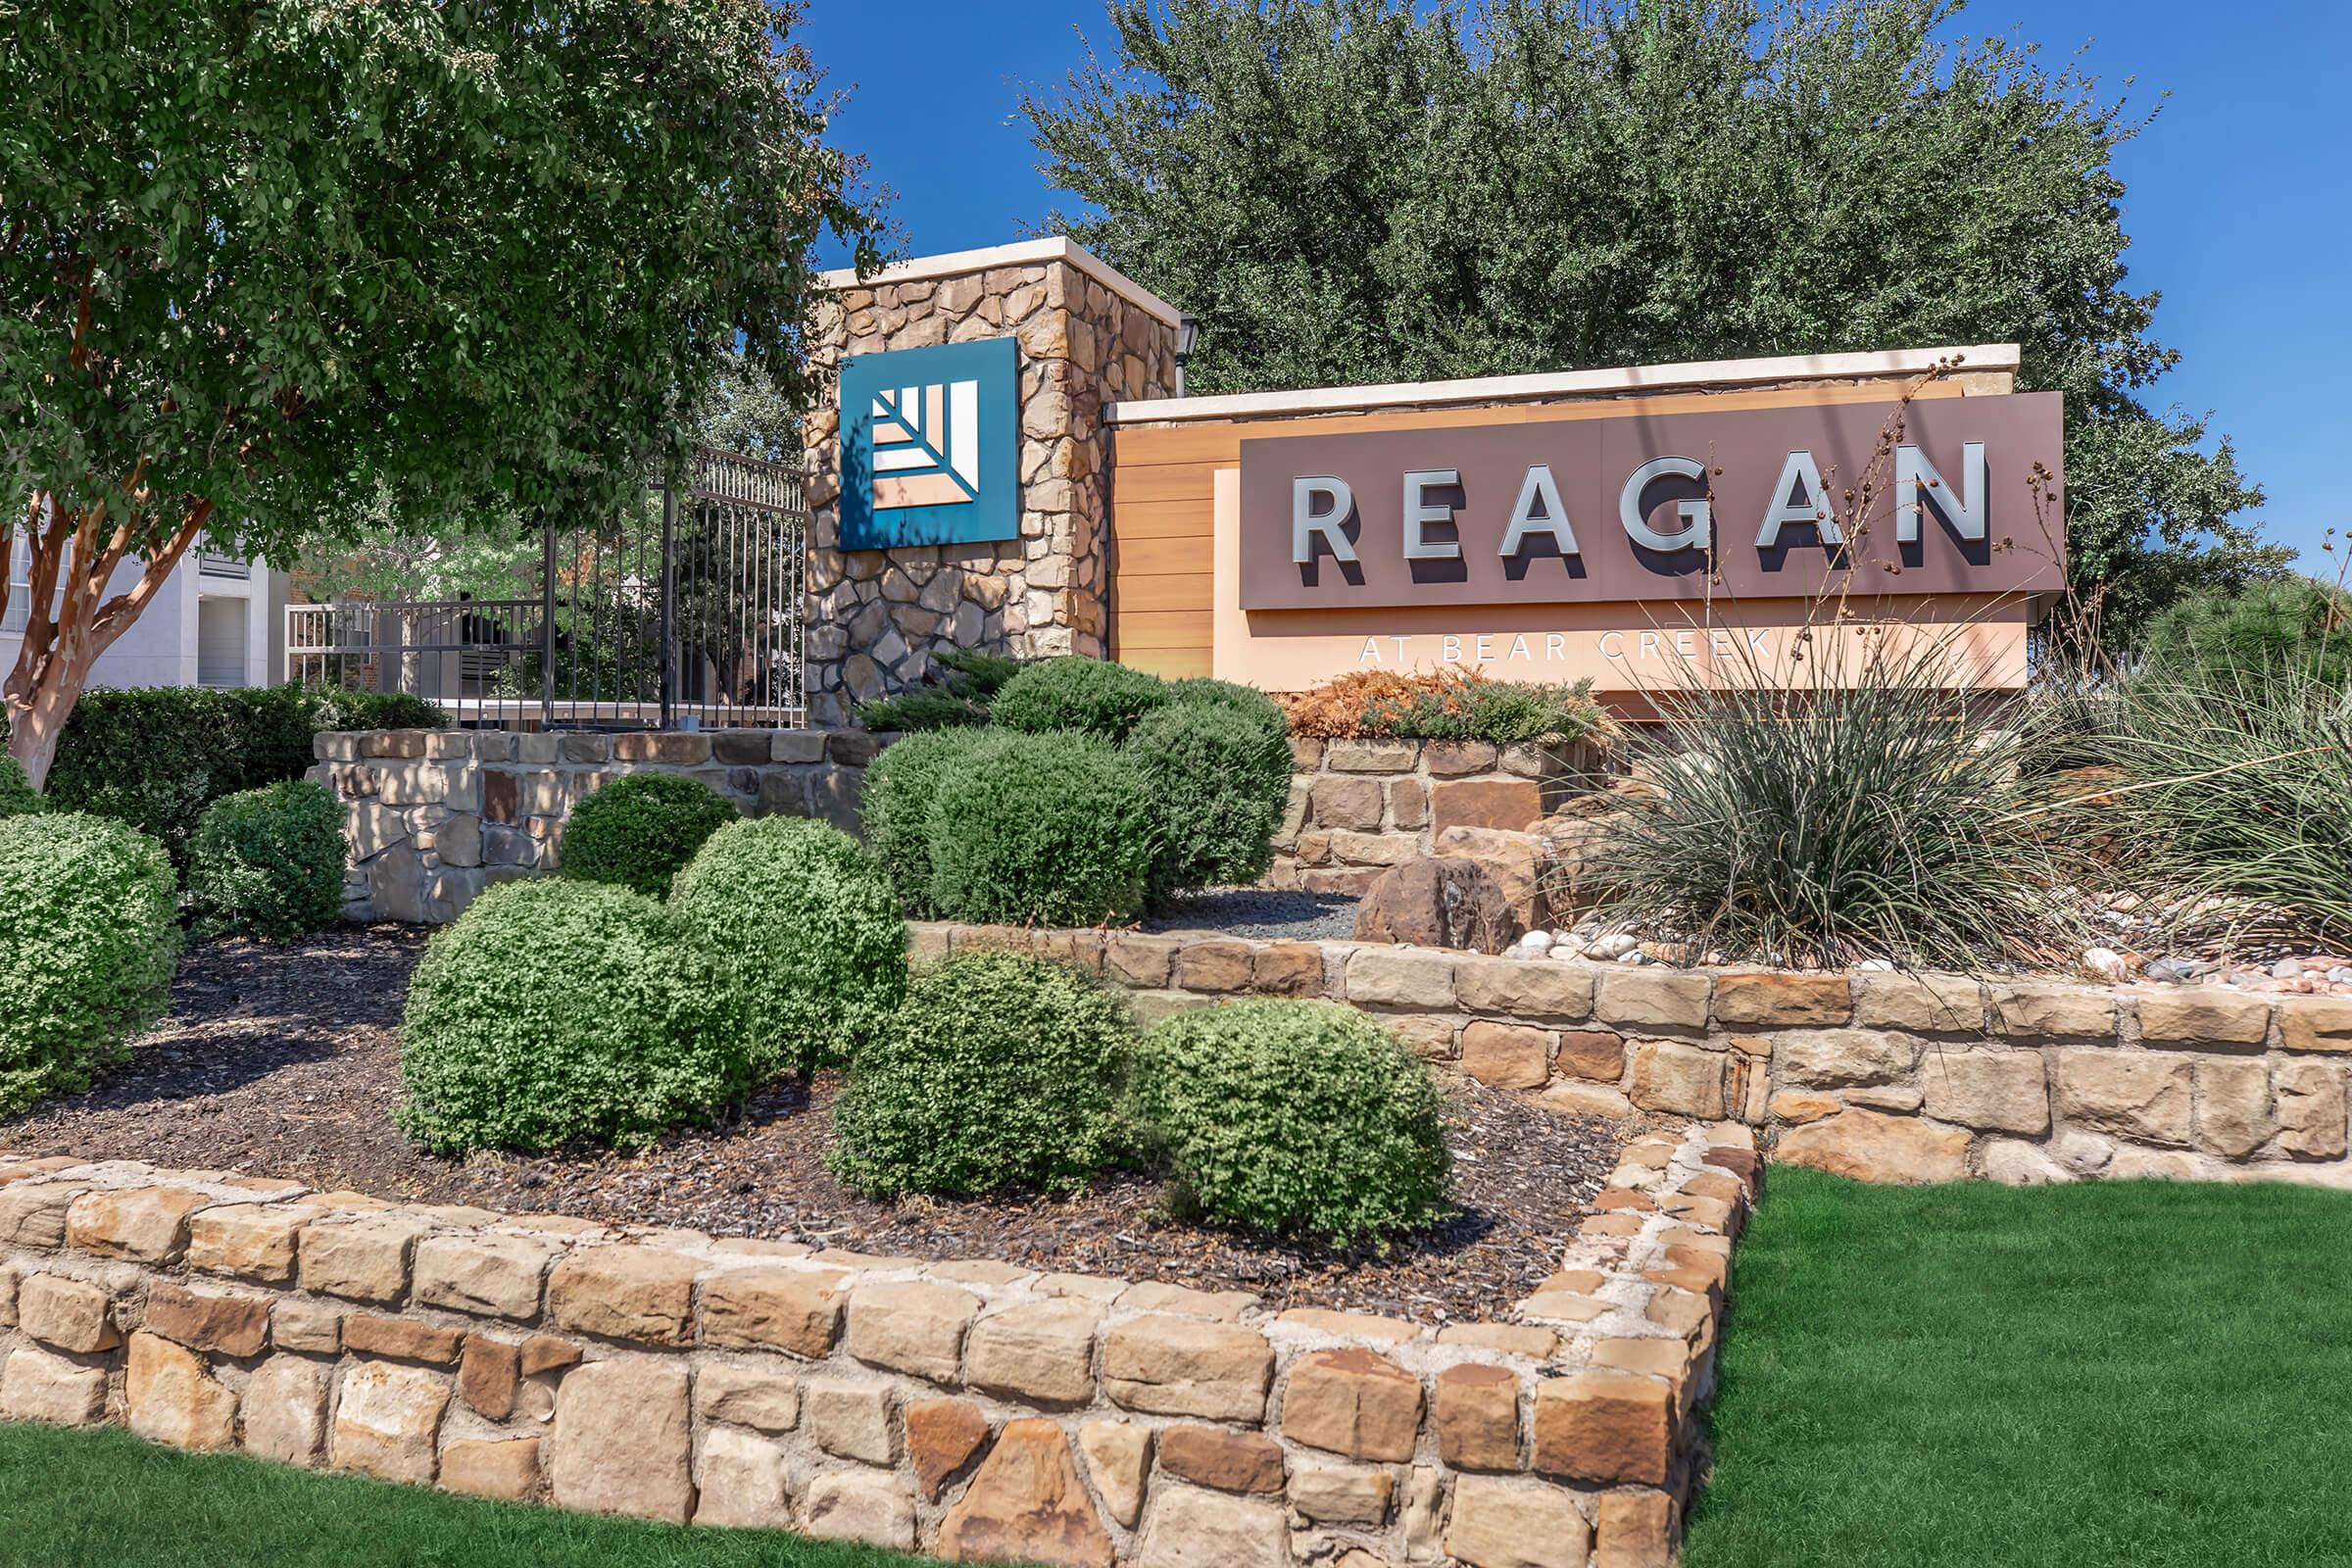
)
(687, 612)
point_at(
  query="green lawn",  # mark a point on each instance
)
(2137, 1374)
(103, 1500)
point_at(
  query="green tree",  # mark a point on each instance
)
(258, 260)
(1372, 190)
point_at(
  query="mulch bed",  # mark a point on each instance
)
(286, 1062)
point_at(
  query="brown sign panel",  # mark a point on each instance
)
(1965, 497)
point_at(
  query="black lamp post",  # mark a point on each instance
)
(1188, 334)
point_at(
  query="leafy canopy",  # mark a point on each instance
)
(483, 256)
(1369, 190)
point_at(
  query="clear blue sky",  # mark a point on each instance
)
(2239, 200)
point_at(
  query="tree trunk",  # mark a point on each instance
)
(66, 631)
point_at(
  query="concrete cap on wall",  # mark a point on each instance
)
(1025, 253)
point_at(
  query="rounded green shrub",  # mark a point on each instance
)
(87, 944)
(802, 925)
(1051, 828)
(894, 806)
(267, 862)
(1219, 778)
(1086, 695)
(1247, 700)
(640, 830)
(998, 1070)
(1294, 1117)
(552, 1011)
(18, 796)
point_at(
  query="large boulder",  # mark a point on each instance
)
(1515, 861)
(1438, 902)
(1570, 841)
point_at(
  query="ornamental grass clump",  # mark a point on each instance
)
(1054, 829)
(1087, 695)
(998, 1071)
(87, 944)
(639, 831)
(1870, 817)
(804, 934)
(2231, 802)
(267, 864)
(1294, 1118)
(552, 1011)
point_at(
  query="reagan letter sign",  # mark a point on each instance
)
(1748, 503)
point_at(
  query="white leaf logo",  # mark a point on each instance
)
(926, 445)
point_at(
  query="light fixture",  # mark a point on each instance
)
(1188, 334)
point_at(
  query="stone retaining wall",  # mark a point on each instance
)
(1878, 1076)
(969, 1408)
(436, 815)
(1361, 806)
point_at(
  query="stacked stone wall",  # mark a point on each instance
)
(877, 617)
(1878, 1076)
(434, 816)
(1359, 807)
(968, 1408)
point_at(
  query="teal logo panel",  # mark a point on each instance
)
(929, 445)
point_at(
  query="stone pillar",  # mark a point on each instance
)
(1088, 336)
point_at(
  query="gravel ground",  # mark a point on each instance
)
(1263, 913)
(285, 1062)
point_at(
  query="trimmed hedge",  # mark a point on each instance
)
(805, 933)
(1048, 828)
(18, 796)
(157, 759)
(895, 800)
(639, 830)
(1294, 1117)
(269, 863)
(1086, 695)
(87, 946)
(998, 1071)
(1218, 776)
(552, 1011)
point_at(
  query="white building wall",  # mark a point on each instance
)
(159, 647)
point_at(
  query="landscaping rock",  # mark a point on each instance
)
(1604, 1427)
(67, 1314)
(1041, 1351)
(624, 1441)
(484, 1275)
(1433, 903)
(912, 1327)
(39, 1386)
(1335, 1494)
(1169, 1366)
(861, 1506)
(285, 1410)
(1223, 1460)
(387, 1419)
(1506, 1056)
(1477, 1418)
(1502, 1524)
(168, 1398)
(942, 1436)
(1118, 1457)
(1351, 1402)
(625, 1293)
(503, 1468)
(1515, 862)
(793, 1309)
(2137, 1094)
(748, 1396)
(366, 1259)
(1870, 1145)
(145, 1224)
(250, 1241)
(1189, 1527)
(853, 1420)
(1027, 1504)
(2003, 1091)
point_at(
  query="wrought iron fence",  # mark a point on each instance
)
(688, 613)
